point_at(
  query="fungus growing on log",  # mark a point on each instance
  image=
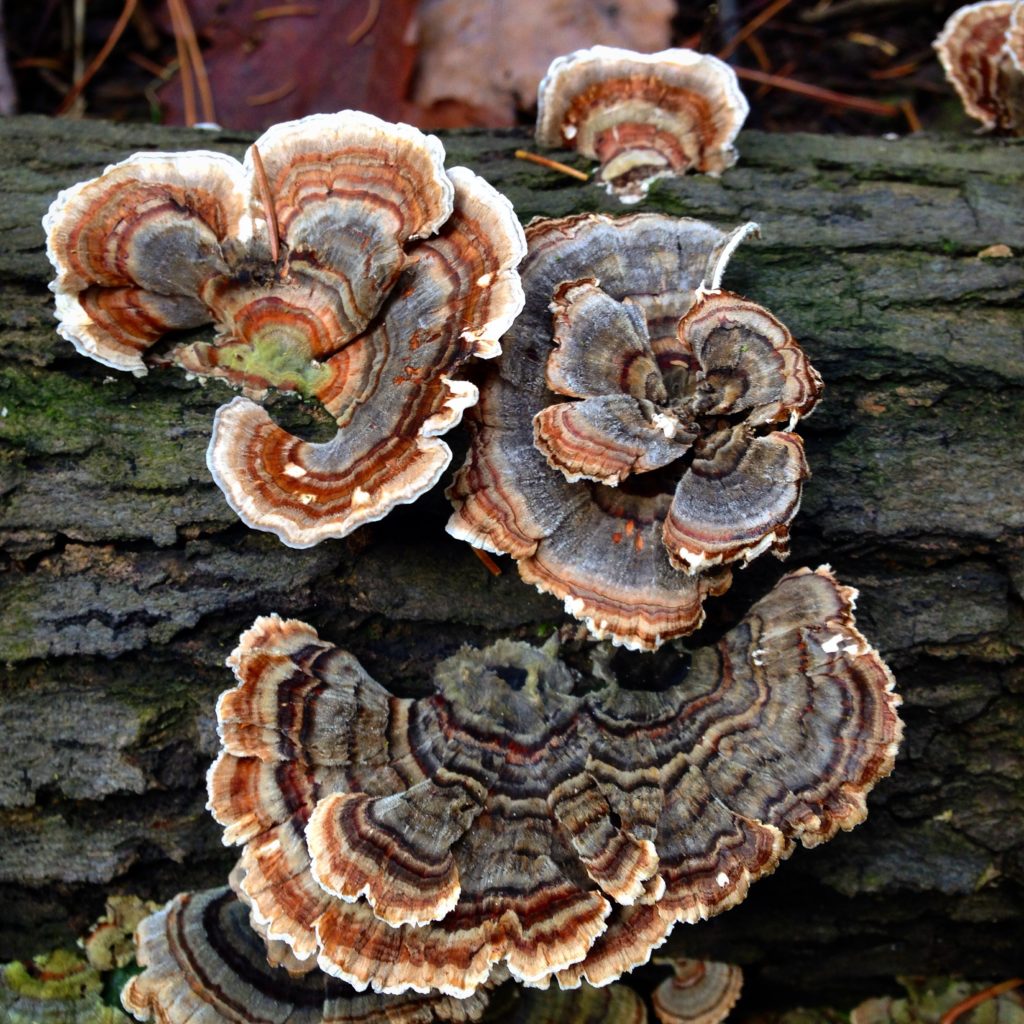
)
(643, 116)
(981, 48)
(109, 943)
(515, 817)
(341, 262)
(697, 992)
(625, 455)
(54, 988)
(204, 963)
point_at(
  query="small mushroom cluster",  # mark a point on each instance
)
(626, 453)
(339, 261)
(644, 116)
(517, 818)
(982, 50)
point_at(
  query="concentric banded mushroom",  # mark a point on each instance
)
(506, 818)
(643, 116)
(341, 262)
(108, 943)
(624, 456)
(698, 992)
(205, 965)
(982, 50)
(54, 988)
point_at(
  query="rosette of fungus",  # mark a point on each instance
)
(339, 261)
(108, 944)
(54, 988)
(203, 963)
(698, 992)
(981, 48)
(625, 452)
(643, 116)
(515, 816)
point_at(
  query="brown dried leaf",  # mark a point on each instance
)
(479, 61)
(268, 69)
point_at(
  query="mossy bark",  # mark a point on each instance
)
(128, 579)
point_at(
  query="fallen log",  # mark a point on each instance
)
(126, 578)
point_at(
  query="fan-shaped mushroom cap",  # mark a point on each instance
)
(419, 843)
(745, 772)
(981, 48)
(642, 115)
(205, 965)
(134, 248)
(392, 391)
(698, 992)
(344, 264)
(54, 988)
(577, 464)
(108, 943)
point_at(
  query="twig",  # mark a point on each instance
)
(285, 11)
(826, 11)
(866, 39)
(551, 165)
(785, 71)
(978, 998)
(97, 62)
(261, 99)
(899, 71)
(815, 92)
(188, 89)
(492, 566)
(756, 47)
(196, 62)
(151, 66)
(372, 13)
(268, 203)
(913, 121)
(751, 27)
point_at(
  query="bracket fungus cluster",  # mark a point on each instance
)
(643, 116)
(625, 449)
(522, 817)
(54, 988)
(204, 964)
(339, 261)
(981, 48)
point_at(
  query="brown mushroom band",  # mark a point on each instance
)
(981, 48)
(623, 449)
(340, 262)
(643, 116)
(507, 818)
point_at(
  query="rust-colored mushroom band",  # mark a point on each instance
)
(626, 449)
(339, 261)
(518, 817)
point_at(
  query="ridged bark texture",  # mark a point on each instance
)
(127, 578)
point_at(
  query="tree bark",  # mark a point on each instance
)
(127, 578)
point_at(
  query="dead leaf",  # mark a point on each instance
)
(480, 60)
(298, 60)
